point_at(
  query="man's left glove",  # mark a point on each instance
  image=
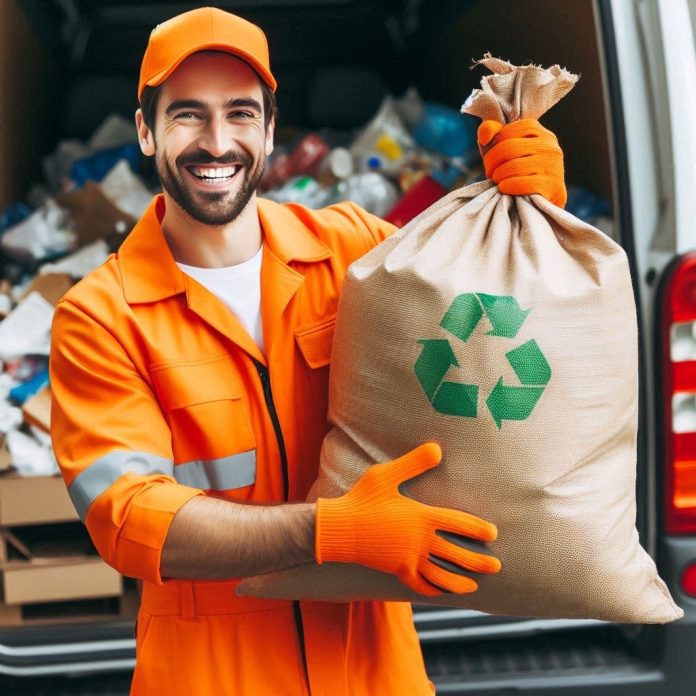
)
(523, 157)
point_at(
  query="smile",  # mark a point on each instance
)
(214, 175)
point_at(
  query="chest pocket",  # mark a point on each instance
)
(315, 342)
(212, 438)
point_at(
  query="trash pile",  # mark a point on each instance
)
(410, 154)
(407, 157)
(91, 198)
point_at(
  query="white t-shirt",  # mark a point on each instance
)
(239, 287)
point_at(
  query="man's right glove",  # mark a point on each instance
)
(375, 526)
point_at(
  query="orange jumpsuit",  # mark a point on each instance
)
(161, 395)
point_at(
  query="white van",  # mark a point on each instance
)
(629, 134)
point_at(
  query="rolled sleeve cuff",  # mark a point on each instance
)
(145, 529)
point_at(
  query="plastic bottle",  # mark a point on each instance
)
(371, 191)
(278, 171)
(385, 143)
(305, 158)
(336, 166)
(303, 189)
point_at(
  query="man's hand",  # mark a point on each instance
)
(523, 157)
(375, 526)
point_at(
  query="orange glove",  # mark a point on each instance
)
(376, 526)
(523, 157)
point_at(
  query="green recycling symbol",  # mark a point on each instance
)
(505, 402)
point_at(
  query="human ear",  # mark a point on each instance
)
(269, 136)
(146, 137)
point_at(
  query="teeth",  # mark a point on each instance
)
(214, 173)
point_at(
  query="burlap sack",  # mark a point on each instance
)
(504, 329)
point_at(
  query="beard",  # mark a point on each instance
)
(213, 208)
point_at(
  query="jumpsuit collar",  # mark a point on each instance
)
(150, 273)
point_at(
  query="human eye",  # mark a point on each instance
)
(242, 115)
(187, 116)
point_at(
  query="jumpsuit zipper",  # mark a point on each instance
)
(270, 405)
(268, 396)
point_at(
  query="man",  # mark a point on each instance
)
(189, 375)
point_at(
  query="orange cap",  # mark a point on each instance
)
(204, 29)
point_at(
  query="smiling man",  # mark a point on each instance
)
(210, 149)
(190, 377)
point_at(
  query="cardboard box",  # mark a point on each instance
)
(99, 609)
(26, 582)
(53, 563)
(37, 410)
(51, 286)
(5, 456)
(34, 500)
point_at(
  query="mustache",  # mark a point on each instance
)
(203, 157)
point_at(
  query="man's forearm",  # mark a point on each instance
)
(217, 539)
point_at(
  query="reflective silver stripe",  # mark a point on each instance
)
(98, 476)
(222, 474)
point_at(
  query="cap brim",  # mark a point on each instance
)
(162, 75)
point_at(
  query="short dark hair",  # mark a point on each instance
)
(150, 96)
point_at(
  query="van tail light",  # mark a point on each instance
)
(679, 396)
(688, 580)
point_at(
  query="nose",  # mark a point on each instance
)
(215, 137)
